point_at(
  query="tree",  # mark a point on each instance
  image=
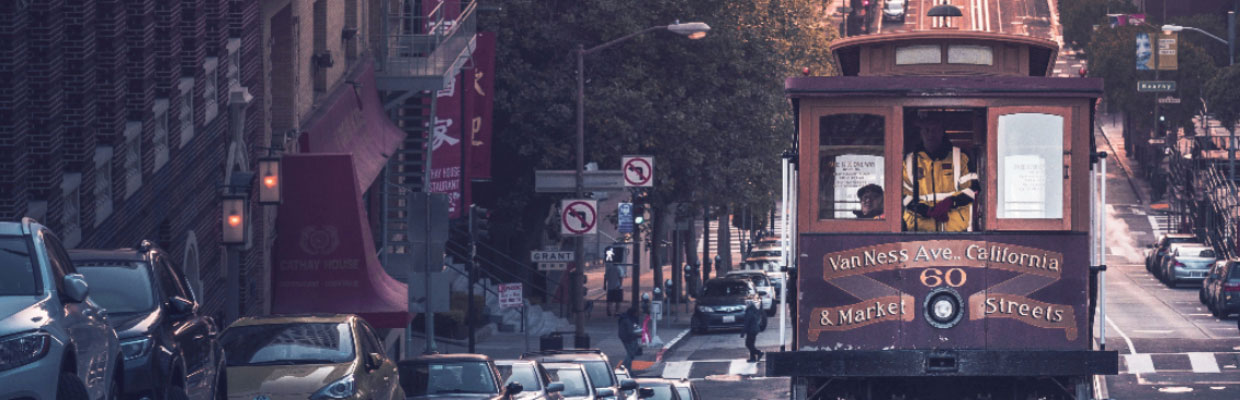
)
(1113, 58)
(1196, 68)
(711, 111)
(1223, 97)
(1078, 17)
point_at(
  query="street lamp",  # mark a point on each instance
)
(693, 30)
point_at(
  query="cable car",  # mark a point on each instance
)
(947, 234)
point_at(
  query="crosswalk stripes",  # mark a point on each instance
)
(1195, 362)
(700, 369)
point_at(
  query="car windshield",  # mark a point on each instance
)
(429, 378)
(17, 273)
(520, 373)
(726, 288)
(120, 287)
(287, 344)
(600, 373)
(765, 253)
(1208, 253)
(661, 392)
(574, 382)
(684, 392)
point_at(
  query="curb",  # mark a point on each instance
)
(672, 343)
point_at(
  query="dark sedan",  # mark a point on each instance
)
(170, 349)
(722, 304)
(1221, 290)
(454, 376)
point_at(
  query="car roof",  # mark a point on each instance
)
(1194, 248)
(564, 365)
(293, 319)
(449, 357)
(741, 272)
(660, 381)
(1178, 235)
(1185, 244)
(515, 362)
(11, 228)
(122, 254)
(727, 279)
(564, 355)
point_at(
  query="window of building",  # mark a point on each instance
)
(851, 160)
(919, 54)
(970, 54)
(103, 184)
(133, 157)
(234, 64)
(1030, 166)
(159, 142)
(321, 51)
(210, 95)
(71, 209)
(186, 114)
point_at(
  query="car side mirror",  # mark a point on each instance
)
(645, 393)
(628, 384)
(513, 388)
(375, 360)
(555, 387)
(180, 306)
(604, 392)
(76, 289)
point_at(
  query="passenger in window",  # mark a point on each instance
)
(871, 197)
(939, 183)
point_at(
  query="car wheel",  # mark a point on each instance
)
(176, 393)
(698, 327)
(69, 387)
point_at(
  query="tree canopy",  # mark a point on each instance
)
(1223, 97)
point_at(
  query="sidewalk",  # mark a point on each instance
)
(1112, 135)
(600, 327)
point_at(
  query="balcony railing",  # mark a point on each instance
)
(430, 45)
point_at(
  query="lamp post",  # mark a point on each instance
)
(1231, 60)
(694, 30)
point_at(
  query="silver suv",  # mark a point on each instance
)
(55, 343)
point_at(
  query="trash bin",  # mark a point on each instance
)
(551, 341)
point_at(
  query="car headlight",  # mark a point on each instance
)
(730, 308)
(135, 348)
(706, 309)
(340, 389)
(23, 349)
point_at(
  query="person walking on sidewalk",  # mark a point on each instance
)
(753, 325)
(613, 279)
(629, 332)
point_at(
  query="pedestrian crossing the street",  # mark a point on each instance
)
(1197, 363)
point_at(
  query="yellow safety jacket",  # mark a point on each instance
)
(939, 179)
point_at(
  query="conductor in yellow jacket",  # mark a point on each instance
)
(940, 183)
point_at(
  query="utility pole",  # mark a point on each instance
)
(469, 271)
(637, 259)
(705, 243)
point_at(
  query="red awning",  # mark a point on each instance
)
(325, 258)
(353, 121)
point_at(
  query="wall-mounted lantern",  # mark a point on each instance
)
(269, 180)
(235, 219)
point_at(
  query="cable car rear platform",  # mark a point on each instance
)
(960, 363)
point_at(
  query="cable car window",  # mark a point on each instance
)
(1030, 166)
(919, 54)
(850, 168)
(970, 54)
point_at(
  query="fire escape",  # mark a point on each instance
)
(425, 44)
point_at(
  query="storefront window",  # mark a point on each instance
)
(850, 168)
(1030, 166)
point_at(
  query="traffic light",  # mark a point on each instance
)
(615, 255)
(639, 214)
(479, 223)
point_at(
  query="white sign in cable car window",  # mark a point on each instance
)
(852, 171)
(970, 54)
(1030, 166)
(919, 54)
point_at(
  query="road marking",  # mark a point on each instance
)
(1131, 349)
(742, 367)
(1153, 331)
(1203, 362)
(1139, 363)
(1154, 225)
(677, 369)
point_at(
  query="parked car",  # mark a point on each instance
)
(170, 349)
(454, 376)
(596, 364)
(535, 382)
(773, 265)
(686, 390)
(56, 342)
(722, 304)
(660, 389)
(893, 10)
(1221, 289)
(761, 283)
(1160, 269)
(623, 374)
(1158, 249)
(1187, 263)
(577, 382)
(315, 357)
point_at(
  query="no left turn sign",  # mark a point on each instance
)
(638, 171)
(578, 217)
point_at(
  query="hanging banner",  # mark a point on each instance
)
(1167, 51)
(469, 95)
(480, 96)
(1145, 52)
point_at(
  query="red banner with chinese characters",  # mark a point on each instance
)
(469, 95)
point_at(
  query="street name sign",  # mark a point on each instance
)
(551, 256)
(1155, 86)
(624, 218)
(552, 266)
(1168, 100)
(510, 295)
(565, 181)
(638, 171)
(578, 217)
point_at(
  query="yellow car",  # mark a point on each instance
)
(315, 357)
